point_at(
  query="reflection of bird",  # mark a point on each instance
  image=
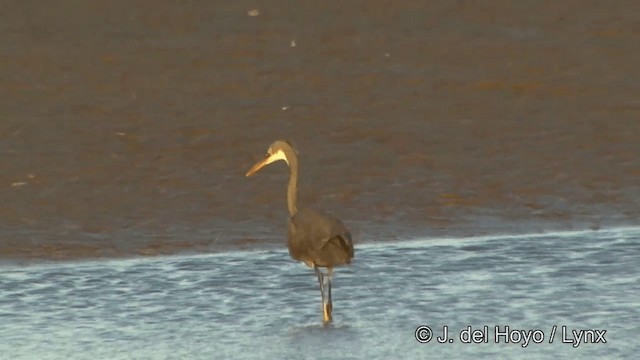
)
(316, 239)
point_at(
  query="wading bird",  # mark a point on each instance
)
(317, 239)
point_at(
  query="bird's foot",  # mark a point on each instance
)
(327, 308)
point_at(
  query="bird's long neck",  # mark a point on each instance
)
(292, 189)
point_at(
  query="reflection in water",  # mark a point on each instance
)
(260, 304)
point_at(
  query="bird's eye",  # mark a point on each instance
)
(267, 155)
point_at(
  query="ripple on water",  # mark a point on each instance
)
(263, 305)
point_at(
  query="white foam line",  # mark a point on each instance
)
(130, 261)
(421, 242)
(427, 241)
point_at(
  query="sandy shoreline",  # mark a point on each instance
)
(67, 251)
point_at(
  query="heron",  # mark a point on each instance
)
(315, 238)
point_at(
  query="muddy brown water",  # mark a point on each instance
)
(126, 128)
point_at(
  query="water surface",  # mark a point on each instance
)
(262, 305)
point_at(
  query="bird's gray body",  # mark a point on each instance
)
(318, 239)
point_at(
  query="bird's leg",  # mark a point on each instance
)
(326, 302)
(329, 274)
(320, 280)
(328, 305)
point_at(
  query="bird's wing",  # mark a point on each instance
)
(320, 237)
(316, 225)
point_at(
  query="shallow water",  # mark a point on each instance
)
(260, 304)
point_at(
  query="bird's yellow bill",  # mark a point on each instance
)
(258, 166)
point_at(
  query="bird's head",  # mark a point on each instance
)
(277, 151)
